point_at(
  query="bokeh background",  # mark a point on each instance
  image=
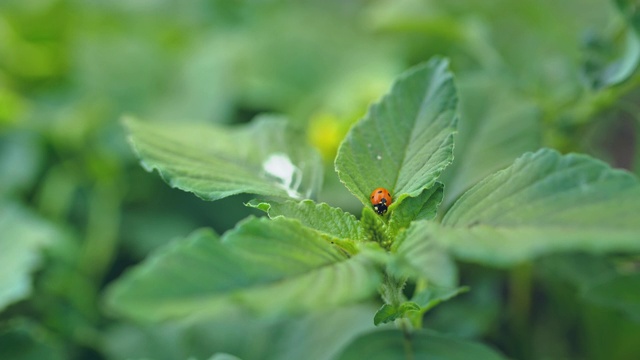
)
(76, 209)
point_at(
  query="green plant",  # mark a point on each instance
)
(308, 257)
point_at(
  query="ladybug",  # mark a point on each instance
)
(380, 199)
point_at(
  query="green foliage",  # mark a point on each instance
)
(499, 125)
(545, 202)
(388, 313)
(393, 344)
(23, 340)
(317, 335)
(323, 257)
(406, 140)
(284, 265)
(24, 235)
(207, 161)
(432, 296)
(602, 71)
(332, 222)
(607, 66)
(419, 304)
(262, 265)
(418, 254)
(534, 254)
(421, 207)
(614, 293)
(630, 11)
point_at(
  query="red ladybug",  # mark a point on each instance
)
(380, 199)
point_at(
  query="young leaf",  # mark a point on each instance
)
(421, 207)
(545, 202)
(434, 295)
(394, 344)
(24, 235)
(321, 217)
(388, 313)
(376, 227)
(421, 302)
(266, 158)
(406, 140)
(263, 265)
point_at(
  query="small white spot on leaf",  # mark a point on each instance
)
(280, 167)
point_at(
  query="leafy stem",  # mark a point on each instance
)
(391, 290)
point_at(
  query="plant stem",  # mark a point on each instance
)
(519, 303)
(391, 290)
(392, 294)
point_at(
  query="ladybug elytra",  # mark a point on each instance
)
(380, 199)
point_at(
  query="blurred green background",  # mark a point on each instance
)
(76, 208)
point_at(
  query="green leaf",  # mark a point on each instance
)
(610, 62)
(421, 207)
(24, 235)
(323, 334)
(577, 269)
(21, 157)
(434, 295)
(388, 313)
(423, 301)
(266, 158)
(263, 265)
(619, 292)
(476, 313)
(318, 335)
(394, 344)
(499, 126)
(545, 202)
(418, 256)
(224, 356)
(385, 314)
(24, 340)
(375, 226)
(405, 140)
(327, 220)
